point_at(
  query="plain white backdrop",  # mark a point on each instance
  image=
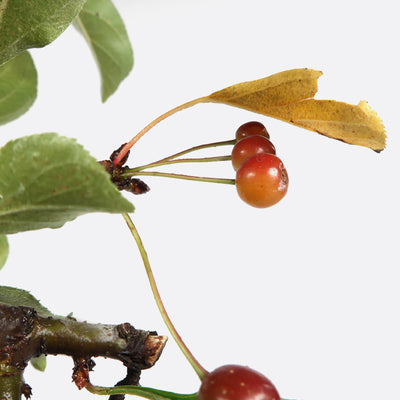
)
(307, 292)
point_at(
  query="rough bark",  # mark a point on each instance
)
(25, 335)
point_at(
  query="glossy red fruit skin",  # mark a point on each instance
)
(262, 180)
(236, 382)
(251, 128)
(249, 146)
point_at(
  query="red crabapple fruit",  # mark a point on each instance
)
(236, 382)
(251, 128)
(249, 146)
(262, 180)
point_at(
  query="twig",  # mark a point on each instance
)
(25, 335)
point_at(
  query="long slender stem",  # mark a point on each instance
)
(149, 393)
(201, 372)
(129, 145)
(168, 161)
(200, 147)
(179, 176)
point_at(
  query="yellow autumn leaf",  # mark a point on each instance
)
(289, 96)
(273, 91)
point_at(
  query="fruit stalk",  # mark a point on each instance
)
(169, 161)
(129, 174)
(148, 393)
(201, 372)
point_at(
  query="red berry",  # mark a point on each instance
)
(249, 146)
(262, 180)
(236, 382)
(251, 128)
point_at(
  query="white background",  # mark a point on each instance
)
(307, 292)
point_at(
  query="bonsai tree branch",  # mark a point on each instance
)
(25, 335)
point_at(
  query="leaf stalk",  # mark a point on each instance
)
(152, 124)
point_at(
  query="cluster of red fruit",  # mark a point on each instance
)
(261, 177)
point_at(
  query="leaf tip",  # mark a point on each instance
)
(376, 123)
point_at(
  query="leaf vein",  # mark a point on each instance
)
(8, 95)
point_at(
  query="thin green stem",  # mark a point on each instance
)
(149, 393)
(129, 145)
(200, 147)
(179, 176)
(168, 161)
(201, 372)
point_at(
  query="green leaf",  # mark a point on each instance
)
(18, 86)
(19, 297)
(105, 32)
(39, 363)
(4, 250)
(47, 180)
(25, 24)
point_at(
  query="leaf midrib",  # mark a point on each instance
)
(35, 207)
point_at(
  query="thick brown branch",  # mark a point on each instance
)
(24, 335)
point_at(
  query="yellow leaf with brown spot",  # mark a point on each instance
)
(289, 96)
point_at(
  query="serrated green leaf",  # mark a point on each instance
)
(18, 87)
(104, 30)
(47, 180)
(19, 297)
(4, 250)
(39, 363)
(25, 24)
